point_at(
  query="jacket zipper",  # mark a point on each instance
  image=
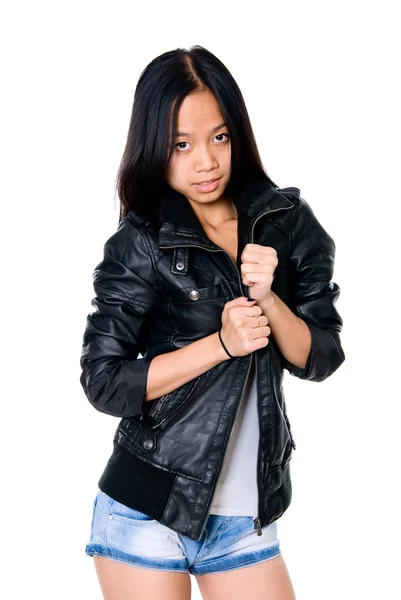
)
(257, 520)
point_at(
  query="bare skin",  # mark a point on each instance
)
(267, 580)
(120, 581)
(224, 236)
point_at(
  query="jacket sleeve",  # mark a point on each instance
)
(113, 378)
(312, 253)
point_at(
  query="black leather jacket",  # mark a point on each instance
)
(161, 287)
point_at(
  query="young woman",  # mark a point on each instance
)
(218, 280)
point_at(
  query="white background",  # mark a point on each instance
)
(320, 83)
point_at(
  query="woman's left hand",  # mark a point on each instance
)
(257, 269)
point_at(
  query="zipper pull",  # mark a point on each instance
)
(258, 525)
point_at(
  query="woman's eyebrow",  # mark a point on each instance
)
(212, 131)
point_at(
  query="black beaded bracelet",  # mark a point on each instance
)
(222, 343)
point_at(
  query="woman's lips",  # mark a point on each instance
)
(208, 187)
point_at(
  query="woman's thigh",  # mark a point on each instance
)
(268, 580)
(119, 581)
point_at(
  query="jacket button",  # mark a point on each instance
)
(148, 444)
(194, 294)
(180, 266)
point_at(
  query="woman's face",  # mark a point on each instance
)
(202, 150)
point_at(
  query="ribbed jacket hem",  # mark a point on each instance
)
(136, 483)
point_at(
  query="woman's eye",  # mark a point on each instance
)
(220, 134)
(179, 144)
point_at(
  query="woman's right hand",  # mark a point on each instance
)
(244, 328)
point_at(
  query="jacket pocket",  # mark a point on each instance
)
(167, 406)
(134, 436)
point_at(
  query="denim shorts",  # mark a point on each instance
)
(132, 537)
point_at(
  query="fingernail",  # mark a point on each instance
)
(250, 300)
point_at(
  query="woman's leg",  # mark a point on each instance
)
(120, 581)
(268, 580)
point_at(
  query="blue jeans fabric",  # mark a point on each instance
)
(132, 537)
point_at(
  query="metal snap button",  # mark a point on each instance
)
(148, 444)
(194, 294)
(180, 266)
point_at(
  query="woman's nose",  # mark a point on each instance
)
(205, 160)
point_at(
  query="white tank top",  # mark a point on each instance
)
(236, 490)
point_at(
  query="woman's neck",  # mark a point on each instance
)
(215, 215)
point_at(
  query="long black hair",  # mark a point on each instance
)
(161, 88)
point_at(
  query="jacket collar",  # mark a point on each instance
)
(181, 227)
